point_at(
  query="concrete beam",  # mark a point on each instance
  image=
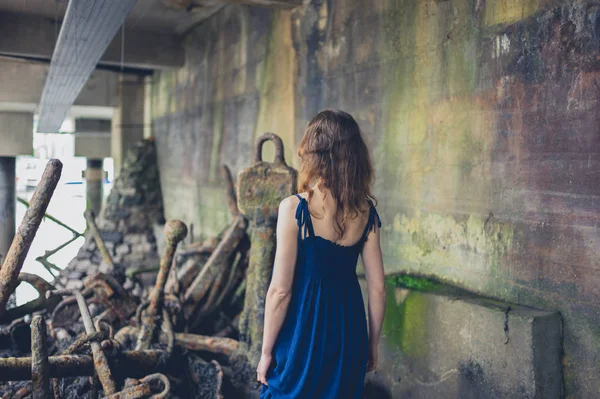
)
(33, 36)
(16, 133)
(92, 145)
(23, 82)
(87, 125)
(92, 138)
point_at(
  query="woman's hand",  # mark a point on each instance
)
(263, 367)
(372, 359)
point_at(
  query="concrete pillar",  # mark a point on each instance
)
(92, 140)
(7, 204)
(94, 178)
(16, 138)
(128, 120)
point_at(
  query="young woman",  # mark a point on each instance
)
(316, 344)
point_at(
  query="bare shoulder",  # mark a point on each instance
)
(287, 212)
(288, 206)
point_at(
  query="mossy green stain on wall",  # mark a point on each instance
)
(435, 142)
(411, 282)
(396, 49)
(442, 245)
(507, 11)
(217, 119)
(405, 321)
(429, 50)
(275, 80)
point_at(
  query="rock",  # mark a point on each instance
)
(74, 285)
(104, 268)
(122, 250)
(83, 265)
(75, 275)
(111, 236)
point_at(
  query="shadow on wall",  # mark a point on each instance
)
(376, 390)
(471, 383)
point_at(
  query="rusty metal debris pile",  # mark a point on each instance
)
(168, 329)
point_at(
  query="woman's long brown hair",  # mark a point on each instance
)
(335, 156)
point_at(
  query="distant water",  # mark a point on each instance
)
(67, 205)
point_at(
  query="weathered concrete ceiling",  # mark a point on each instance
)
(34, 37)
(89, 26)
(77, 42)
(23, 82)
(153, 29)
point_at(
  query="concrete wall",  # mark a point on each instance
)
(238, 83)
(482, 116)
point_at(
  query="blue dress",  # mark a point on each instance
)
(321, 350)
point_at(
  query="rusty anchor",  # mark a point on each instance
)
(261, 187)
(10, 269)
(214, 266)
(100, 360)
(175, 232)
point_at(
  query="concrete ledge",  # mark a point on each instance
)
(443, 346)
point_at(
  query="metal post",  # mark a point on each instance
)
(7, 204)
(94, 178)
(9, 272)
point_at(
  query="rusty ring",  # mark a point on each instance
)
(279, 155)
(103, 325)
(162, 378)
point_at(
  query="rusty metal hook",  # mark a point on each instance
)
(279, 154)
(158, 377)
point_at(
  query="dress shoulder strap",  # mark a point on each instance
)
(303, 218)
(374, 220)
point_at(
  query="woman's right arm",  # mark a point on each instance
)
(373, 265)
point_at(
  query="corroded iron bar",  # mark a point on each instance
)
(39, 359)
(128, 364)
(10, 269)
(193, 342)
(41, 286)
(90, 217)
(100, 361)
(231, 194)
(225, 346)
(218, 260)
(175, 232)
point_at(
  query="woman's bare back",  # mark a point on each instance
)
(322, 209)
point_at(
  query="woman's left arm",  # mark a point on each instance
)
(280, 289)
